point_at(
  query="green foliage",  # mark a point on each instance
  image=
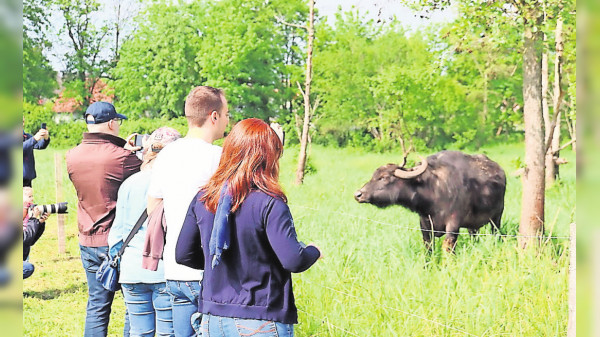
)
(38, 76)
(234, 45)
(379, 88)
(156, 69)
(39, 79)
(34, 115)
(242, 50)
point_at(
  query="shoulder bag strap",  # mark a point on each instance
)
(134, 230)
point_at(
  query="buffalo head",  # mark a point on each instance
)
(390, 183)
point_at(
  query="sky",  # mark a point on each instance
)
(385, 10)
(388, 8)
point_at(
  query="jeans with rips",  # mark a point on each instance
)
(184, 298)
(149, 308)
(218, 326)
(99, 299)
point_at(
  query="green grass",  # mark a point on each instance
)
(376, 278)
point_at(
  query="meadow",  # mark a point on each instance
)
(376, 278)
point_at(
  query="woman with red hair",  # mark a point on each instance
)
(240, 228)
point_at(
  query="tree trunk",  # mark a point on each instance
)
(549, 159)
(532, 205)
(307, 107)
(552, 168)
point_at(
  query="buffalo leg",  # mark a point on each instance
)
(451, 237)
(495, 222)
(427, 233)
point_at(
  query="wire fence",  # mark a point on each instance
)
(432, 230)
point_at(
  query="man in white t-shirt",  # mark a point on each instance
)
(180, 170)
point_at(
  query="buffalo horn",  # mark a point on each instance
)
(415, 172)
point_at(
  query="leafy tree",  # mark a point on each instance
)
(245, 51)
(39, 79)
(87, 38)
(232, 44)
(483, 53)
(379, 85)
(157, 67)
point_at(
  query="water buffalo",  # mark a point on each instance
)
(448, 190)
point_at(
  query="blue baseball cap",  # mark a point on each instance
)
(102, 113)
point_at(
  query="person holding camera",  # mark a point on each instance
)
(39, 141)
(97, 167)
(148, 303)
(239, 229)
(33, 229)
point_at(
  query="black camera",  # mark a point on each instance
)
(59, 207)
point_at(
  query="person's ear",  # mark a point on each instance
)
(214, 115)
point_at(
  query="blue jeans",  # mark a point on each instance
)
(149, 307)
(99, 299)
(28, 269)
(217, 326)
(184, 298)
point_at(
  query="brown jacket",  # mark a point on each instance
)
(97, 167)
(155, 238)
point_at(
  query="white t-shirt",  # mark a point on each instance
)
(178, 173)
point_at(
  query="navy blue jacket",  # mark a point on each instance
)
(29, 143)
(253, 279)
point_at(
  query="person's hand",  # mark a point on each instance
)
(34, 212)
(43, 217)
(319, 249)
(38, 213)
(42, 133)
(129, 143)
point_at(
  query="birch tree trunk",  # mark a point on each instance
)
(306, 94)
(553, 154)
(532, 205)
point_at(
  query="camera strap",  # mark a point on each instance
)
(134, 231)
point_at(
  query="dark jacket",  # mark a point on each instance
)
(97, 167)
(31, 233)
(253, 279)
(7, 142)
(29, 143)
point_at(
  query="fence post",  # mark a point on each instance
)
(59, 198)
(571, 325)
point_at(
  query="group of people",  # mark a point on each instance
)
(215, 254)
(34, 218)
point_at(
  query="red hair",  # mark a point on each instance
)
(250, 160)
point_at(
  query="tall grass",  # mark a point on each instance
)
(376, 278)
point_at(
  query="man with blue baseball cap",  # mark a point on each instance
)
(97, 167)
(102, 112)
